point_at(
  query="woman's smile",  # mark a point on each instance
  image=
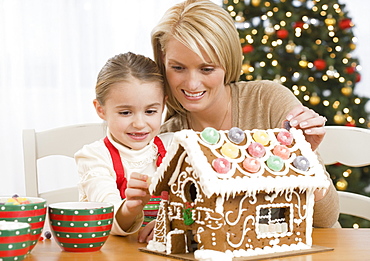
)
(194, 94)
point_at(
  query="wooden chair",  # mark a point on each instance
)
(351, 147)
(59, 141)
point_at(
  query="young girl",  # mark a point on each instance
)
(130, 98)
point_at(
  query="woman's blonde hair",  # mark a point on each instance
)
(123, 66)
(201, 25)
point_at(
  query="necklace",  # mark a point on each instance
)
(223, 120)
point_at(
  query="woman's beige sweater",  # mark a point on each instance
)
(265, 105)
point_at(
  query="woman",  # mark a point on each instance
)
(197, 47)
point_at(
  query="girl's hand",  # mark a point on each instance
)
(310, 122)
(146, 233)
(137, 194)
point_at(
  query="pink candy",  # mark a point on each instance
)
(251, 164)
(285, 137)
(221, 165)
(256, 149)
(282, 151)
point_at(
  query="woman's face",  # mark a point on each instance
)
(197, 85)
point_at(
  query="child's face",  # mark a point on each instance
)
(133, 111)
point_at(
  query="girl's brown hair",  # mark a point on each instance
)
(123, 66)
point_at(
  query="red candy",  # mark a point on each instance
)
(285, 137)
(221, 165)
(282, 151)
(256, 149)
(251, 164)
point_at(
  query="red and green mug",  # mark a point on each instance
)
(15, 239)
(33, 212)
(81, 226)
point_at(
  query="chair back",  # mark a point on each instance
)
(58, 141)
(349, 146)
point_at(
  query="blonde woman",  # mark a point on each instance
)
(197, 48)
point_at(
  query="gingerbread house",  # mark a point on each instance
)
(236, 193)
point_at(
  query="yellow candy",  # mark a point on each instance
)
(261, 137)
(19, 199)
(12, 201)
(230, 150)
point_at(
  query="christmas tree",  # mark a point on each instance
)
(306, 45)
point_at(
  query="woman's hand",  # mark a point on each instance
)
(310, 122)
(146, 233)
(320, 194)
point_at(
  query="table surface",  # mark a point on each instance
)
(348, 244)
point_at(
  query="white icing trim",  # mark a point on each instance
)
(247, 185)
(225, 185)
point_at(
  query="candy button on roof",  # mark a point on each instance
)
(210, 135)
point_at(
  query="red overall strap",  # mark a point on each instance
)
(161, 150)
(118, 167)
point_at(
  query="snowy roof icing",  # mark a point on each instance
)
(273, 160)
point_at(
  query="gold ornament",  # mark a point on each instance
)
(347, 91)
(246, 68)
(341, 184)
(339, 118)
(330, 21)
(303, 63)
(269, 30)
(352, 46)
(256, 3)
(290, 47)
(315, 99)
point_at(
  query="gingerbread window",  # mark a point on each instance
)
(273, 219)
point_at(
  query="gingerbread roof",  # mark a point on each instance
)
(191, 147)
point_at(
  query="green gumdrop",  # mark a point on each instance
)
(187, 215)
(210, 135)
(275, 163)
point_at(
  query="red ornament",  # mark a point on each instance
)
(350, 69)
(298, 24)
(320, 64)
(358, 77)
(248, 48)
(282, 33)
(345, 23)
(350, 124)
